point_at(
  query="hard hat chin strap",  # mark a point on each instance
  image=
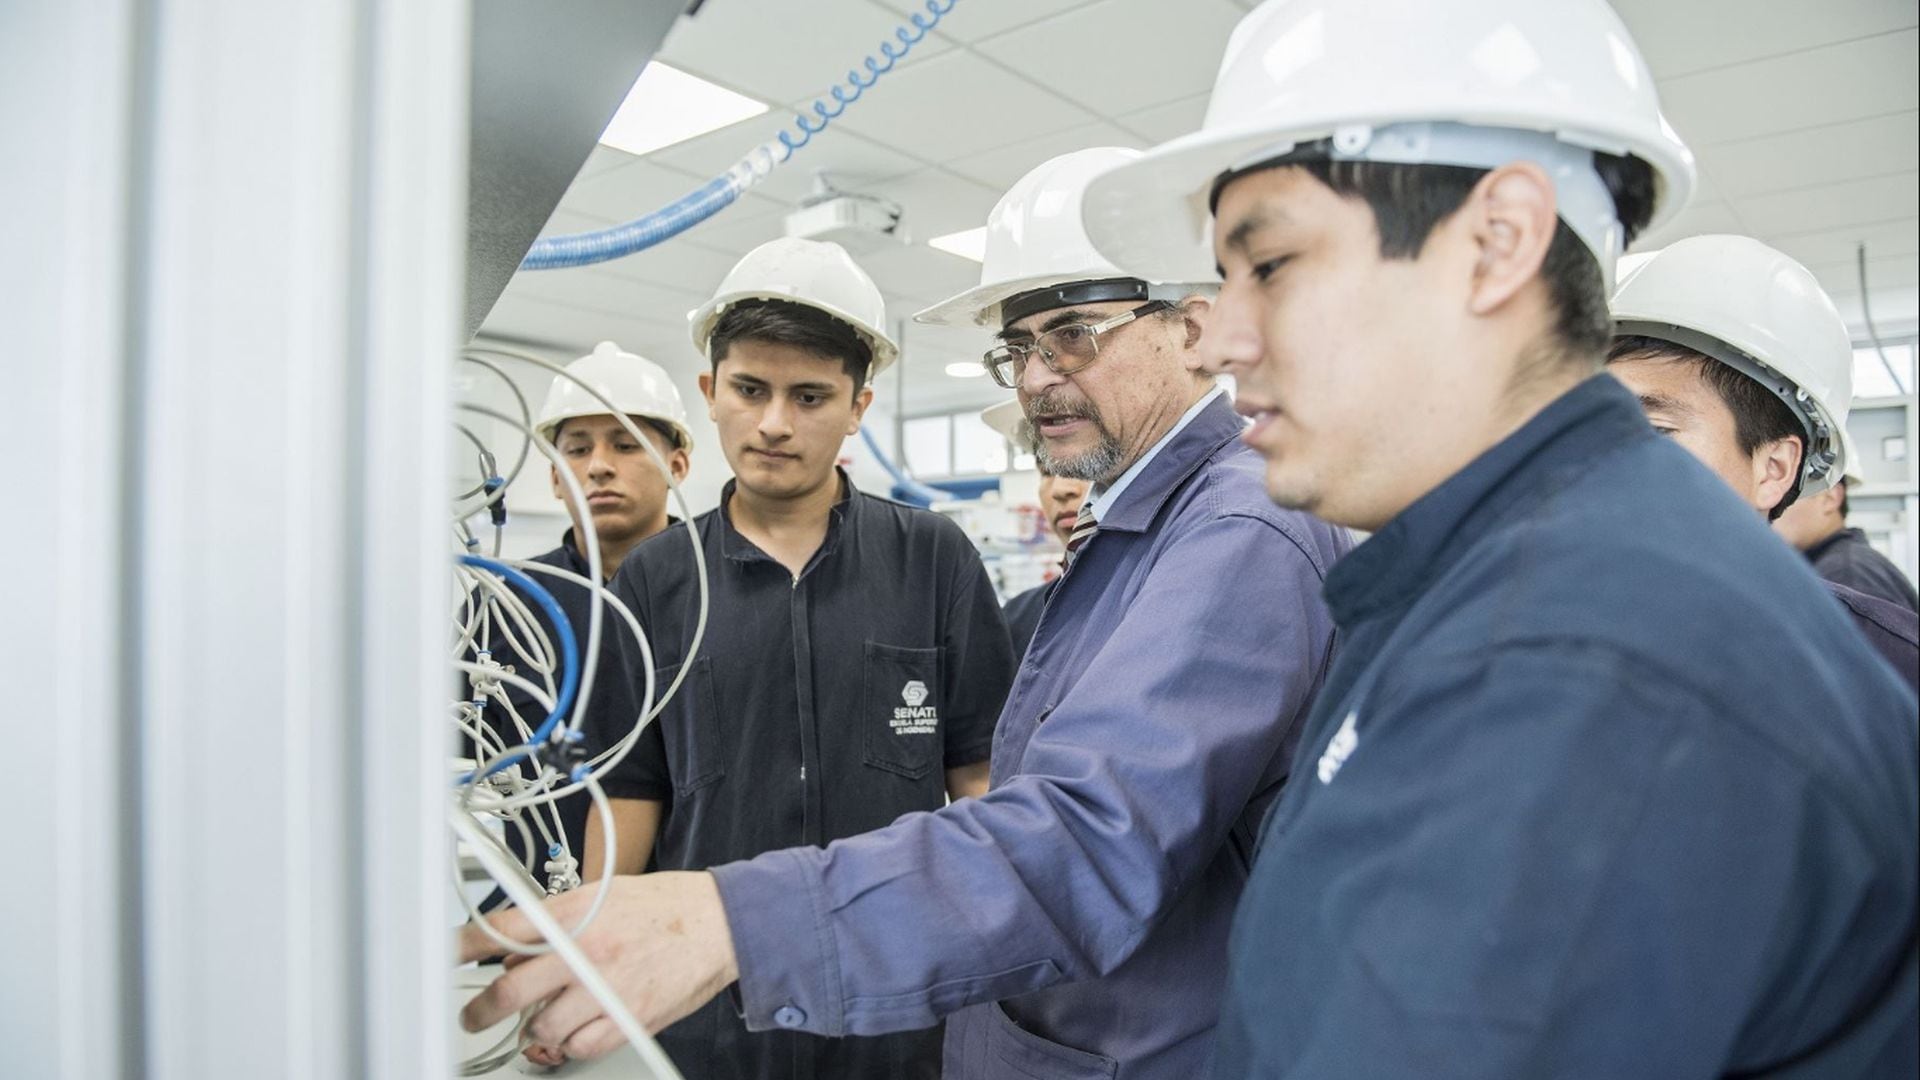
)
(1584, 202)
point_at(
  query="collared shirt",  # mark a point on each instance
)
(1849, 559)
(1603, 784)
(1073, 920)
(818, 706)
(1102, 498)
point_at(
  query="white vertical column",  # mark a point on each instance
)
(235, 292)
(303, 299)
(66, 920)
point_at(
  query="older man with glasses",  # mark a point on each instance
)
(1073, 920)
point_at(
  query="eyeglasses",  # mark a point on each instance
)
(1064, 349)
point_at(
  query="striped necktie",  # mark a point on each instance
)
(1084, 527)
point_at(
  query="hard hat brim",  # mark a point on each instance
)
(1151, 218)
(982, 304)
(702, 320)
(1006, 418)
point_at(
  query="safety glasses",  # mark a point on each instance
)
(1064, 349)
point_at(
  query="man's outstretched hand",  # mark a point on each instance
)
(661, 940)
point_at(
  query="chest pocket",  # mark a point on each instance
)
(900, 709)
(690, 727)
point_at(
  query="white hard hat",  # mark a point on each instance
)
(638, 386)
(1477, 83)
(1851, 469)
(1036, 243)
(1756, 310)
(816, 273)
(1009, 419)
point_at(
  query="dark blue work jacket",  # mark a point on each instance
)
(1073, 921)
(1847, 558)
(1603, 785)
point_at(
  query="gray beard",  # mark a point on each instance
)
(1100, 464)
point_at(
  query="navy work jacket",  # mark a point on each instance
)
(1073, 920)
(1603, 784)
(1848, 558)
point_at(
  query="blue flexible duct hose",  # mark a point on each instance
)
(584, 249)
(569, 652)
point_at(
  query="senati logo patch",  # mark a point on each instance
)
(1339, 749)
(916, 717)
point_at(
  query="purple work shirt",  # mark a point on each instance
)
(1073, 922)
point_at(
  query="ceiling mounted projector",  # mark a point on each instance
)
(859, 223)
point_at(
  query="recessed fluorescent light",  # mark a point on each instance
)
(971, 244)
(667, 106)
(966, 369)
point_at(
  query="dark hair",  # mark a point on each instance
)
(783, 322)
(1409, 200)
(1842, 485)
(1759, 417)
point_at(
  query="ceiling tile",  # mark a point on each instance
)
(628, 190)
(1831, 206)
(1169, 121)
(1118, 57)
(1697, 35)
(1000, 167)
(1896, 310)
(1858, 79)
(1843, 278)
(957, 104)
(919, 272)
(1824, 155)
(565, 221)
(1699, 218)
(935, 202)
(592, 288)
(978, 19)
(1901, 237)
(845, 157)
(601, 159)
(684, 266)
(563, 327)
(751, 221)
(779, 51)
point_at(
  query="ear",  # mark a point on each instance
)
(1775, 467)
(706, 391)
(1195, 310)
(1512, 216)
(860, 402)
(559, 489)
(679, 462)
